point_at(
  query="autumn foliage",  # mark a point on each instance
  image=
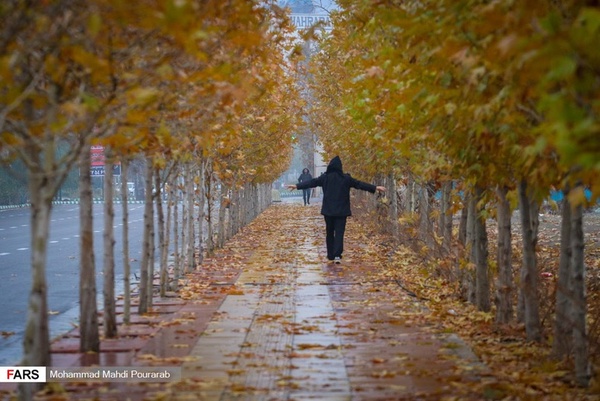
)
(199, 92)
(471, 109)
(484, 107)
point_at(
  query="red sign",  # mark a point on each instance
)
(97, 155)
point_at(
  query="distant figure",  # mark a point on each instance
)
(305, 177)
(336, 203)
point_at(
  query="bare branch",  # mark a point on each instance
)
(533, 115)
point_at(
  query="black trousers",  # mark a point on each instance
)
(306, 195)
(334, 236)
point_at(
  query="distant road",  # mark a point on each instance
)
(62, 268)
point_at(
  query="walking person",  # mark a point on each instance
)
(336, 203)
(305, 177)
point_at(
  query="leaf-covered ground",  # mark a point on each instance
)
(379, 326)
(298, 327)
(380, 270)
(522, 370)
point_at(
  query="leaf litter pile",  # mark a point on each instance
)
(378, 326)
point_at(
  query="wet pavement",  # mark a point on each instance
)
(268, 318)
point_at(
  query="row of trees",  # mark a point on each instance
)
(200, 91)
(491, 105)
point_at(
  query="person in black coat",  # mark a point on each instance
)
(305, 177)
(336, 203)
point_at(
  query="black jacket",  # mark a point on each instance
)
(305, 176)
(336, 189)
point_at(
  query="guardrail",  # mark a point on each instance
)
(69, 202)
(290, 194)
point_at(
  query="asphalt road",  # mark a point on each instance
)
(62, 268)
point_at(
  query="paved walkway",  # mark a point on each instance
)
(270, 319)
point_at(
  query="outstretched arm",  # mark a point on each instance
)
(315, 182)
(365, 186)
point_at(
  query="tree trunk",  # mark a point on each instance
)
(109, 316)
(88, 309)
(482, 279)
(462, 227)
(468, 276)
(529, 273)
(152, 257)
(579, 305)
(208, 198)
(223, 207)
(238, 210)
(163, 242)
(261, 197)
(168, 223)
(126, 265)
(36, 340)
(174, 193)
(504, 286)
(244, 205)
(446, 216)
(184, 214)
(145, 279)
(202, 195)
(255, 209)
(190, 259)
(410, 200)
(393, 213)
(241, 207)
(233, 211)
(563, 323)
(441, 221)
(425, 227)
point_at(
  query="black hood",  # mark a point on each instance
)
(335, 165)
(305, 171)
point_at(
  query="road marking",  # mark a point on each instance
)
(54, 242)
(22, 249)
(4, 253)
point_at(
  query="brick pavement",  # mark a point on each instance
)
(270, 319)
